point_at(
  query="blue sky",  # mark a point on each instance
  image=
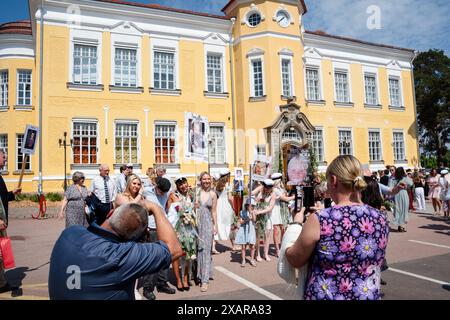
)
(415, 24)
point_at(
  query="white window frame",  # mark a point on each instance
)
(342, 67)
(249, 13)
(376, 130)
(288, 57)
(222, 79)
(4, 147)
(4, 86)
(318, 69)
(394, 131)
(138, 149)
(113, 64)
(18, 148)
(88, 38)
(31, 87)
(352, 148)
(311, 137)
(394, 74)
(262, 146)
(222, 125)
(252, 75)
(167, 123)
(371, 71)
(88, 121)
(167, 46)
(128, 42)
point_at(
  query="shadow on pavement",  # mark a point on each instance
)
(16, 276)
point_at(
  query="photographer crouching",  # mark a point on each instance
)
(103, 262)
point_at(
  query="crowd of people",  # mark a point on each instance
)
(125, 233)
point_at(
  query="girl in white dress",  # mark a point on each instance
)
(265, 201)
(225, 212)
(277, 215)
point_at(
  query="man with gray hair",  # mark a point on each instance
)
(103, 194)
(103, 262)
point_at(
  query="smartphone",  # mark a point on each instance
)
(308, 197)
(327, 202)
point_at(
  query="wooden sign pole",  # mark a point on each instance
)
(24, 161)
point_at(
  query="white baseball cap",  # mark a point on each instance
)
(216, 176)
(224, 172)
(268, 183)
(276, 176)
(445, 171)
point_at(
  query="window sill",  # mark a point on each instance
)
(257, 99)
(376, 162)
(135, 165)
(4, 108)
(216, 95)
(372, 106)
(85, 87)
(26, 173)
(287, 98)
(4, 172)
(84, 166)
(395, 108)
(316, 102)
(322, 163)
(218, 165)
(123, 89)
(344, 104)
(23, 108)
(401, 161)
(168, 165)
(164, 92)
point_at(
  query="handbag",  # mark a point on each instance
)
(6, 252)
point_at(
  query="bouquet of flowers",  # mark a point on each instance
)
(186, 230)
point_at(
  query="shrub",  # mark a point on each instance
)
(34, 197)
(52, 196)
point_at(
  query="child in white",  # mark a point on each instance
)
(246, 234)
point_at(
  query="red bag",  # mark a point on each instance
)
(6, 253)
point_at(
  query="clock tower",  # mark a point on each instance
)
(267, 68)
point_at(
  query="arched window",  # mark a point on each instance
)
(291, 134)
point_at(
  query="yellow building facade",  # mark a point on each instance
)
(119, 77)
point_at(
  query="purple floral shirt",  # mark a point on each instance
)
(348, 257)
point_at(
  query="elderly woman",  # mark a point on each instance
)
(347, 242)
(73, 204)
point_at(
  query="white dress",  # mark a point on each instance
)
(225, 216)
(276, 211)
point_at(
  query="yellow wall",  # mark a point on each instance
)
(61, 105)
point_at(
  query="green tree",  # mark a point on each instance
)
(432, 84)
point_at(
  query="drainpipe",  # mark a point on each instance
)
(233, 104)
(415, 107)
(41, 63)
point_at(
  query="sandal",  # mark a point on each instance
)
(253, 263)
(259, 259)
(243, 264)
(204, 287)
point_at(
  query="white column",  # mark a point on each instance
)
(146, 111)
(106, 110)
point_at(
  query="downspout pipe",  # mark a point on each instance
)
(233, 103)
(416, 53)
(41, 63)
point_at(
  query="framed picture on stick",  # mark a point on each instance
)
(29, 139)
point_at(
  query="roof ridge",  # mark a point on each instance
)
(325, 34)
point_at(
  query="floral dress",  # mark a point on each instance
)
(186, 225)
(348, 257)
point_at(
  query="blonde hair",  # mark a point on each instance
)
(130, 179)
(348, 172)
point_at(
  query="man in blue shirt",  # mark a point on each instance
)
(104, 262)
